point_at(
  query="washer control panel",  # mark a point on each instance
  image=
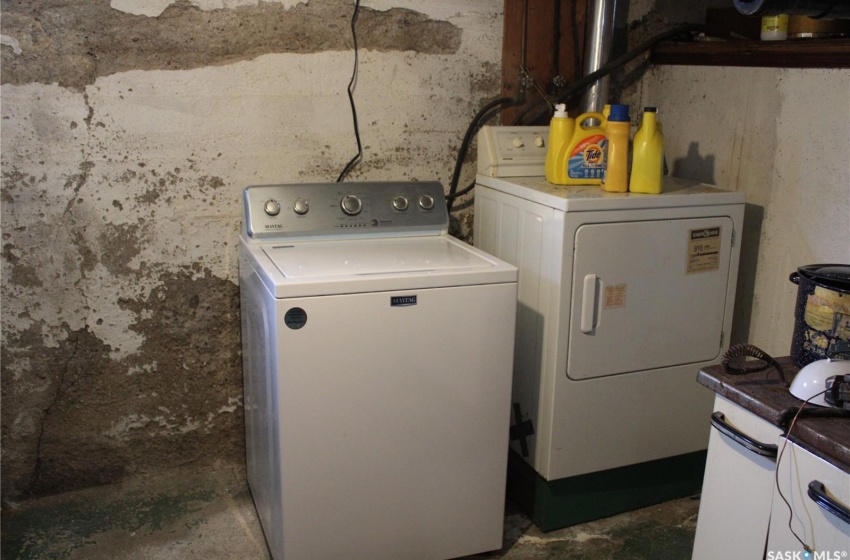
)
(323, 209)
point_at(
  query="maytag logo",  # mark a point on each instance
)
(274, 226)
(402, 301)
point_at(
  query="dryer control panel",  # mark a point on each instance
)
(315, 210)
(512, 151)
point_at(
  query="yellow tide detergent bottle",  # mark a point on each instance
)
(561, 130)
(581, 161)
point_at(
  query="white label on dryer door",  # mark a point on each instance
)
(704, 249)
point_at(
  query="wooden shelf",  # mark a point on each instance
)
(799, 53)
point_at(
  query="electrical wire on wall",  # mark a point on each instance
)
(351, 85)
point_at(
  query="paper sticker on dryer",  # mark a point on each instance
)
(615, 296)
(704, 249)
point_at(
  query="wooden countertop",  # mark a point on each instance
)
(763, 394)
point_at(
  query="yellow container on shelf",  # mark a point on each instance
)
(561, 129)
(648, 155)
(581, 160)
(774, 28)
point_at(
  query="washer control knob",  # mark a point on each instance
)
(538, 141)
(517, 142)
(400, 203)
(426, 202)
(300, 207)
(272, 207)
(351, 204)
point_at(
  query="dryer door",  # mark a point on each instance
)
(647, 295)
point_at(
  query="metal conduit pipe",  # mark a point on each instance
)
(600, 35)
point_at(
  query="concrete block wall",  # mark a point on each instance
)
(129, 130)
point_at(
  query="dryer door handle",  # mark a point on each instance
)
(588, 304)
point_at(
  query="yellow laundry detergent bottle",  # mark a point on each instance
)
(648, 155)
(561, 130)
(582, 160)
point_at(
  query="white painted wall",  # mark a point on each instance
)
(783, 137)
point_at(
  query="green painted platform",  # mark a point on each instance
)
(570, 501)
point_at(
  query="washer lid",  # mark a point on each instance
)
(371, 257)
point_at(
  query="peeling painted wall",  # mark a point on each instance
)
(780, 136)
(128, 132)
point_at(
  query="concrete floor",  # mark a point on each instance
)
(209, 515)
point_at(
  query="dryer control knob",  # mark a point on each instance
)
(300, 207)
(538, 141)
(517, 142)
(426, 202)
(272, 207)
(351, 204)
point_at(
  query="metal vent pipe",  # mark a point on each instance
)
(600, 35)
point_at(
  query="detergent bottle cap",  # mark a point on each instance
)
(619, 113)
(650, 109)
(560, 111)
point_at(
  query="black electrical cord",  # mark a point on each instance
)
(735, 361)
(603, 71)
(359, 156)
(806, 547)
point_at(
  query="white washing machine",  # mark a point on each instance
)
(377, 357)
(622, 299)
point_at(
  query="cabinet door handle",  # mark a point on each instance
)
(817, 492)
(588, 304)
(718, 420)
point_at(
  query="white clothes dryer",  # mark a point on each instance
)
(622, 299)
(377, 357)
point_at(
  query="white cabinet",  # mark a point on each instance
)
(819, 497)
(735, 505)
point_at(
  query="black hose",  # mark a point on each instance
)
(476, 123)
(606, 69)
(580, 84)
